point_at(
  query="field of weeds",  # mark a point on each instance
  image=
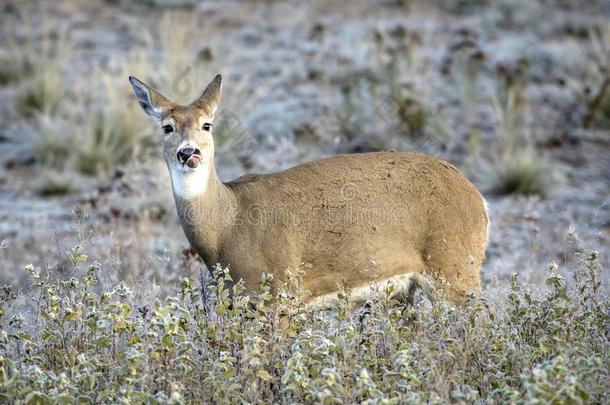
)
(102, 301)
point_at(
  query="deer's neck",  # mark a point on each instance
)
(204, 205)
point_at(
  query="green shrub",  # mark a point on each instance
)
(84, 342)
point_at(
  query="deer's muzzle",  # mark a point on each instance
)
(189, 156)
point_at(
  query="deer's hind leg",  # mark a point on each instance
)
(457, 264)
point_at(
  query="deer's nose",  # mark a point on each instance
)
(186, 152)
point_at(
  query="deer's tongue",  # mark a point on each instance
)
(193, 161)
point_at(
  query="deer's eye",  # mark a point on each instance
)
(207, 126)
(167, 129)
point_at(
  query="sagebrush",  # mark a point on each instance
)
(82, 342)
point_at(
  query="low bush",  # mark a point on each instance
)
(82, 342)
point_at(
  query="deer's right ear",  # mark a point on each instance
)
(149, 99)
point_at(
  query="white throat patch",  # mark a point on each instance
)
(190, 183)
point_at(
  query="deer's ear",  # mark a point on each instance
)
(209, 99)
(149, 99)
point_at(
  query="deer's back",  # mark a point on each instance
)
(371, 195)
(404, 181)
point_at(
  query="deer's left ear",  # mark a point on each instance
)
(151, 101)
(210, 98)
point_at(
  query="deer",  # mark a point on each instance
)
(403, 219)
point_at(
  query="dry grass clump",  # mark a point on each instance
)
(462, 66)
(399, 51)
(398, 61)
(515, 164)
(82, 341)
(53, 143)
(586, 78)
(522, 172)
(13, 67)
(18, 57)
(37, 64)
(598, 95)
(109, 132)
(43, 92)
(55, 184)
(95, 135)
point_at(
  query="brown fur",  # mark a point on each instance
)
(406, 212)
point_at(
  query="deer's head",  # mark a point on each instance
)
(188, 146)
